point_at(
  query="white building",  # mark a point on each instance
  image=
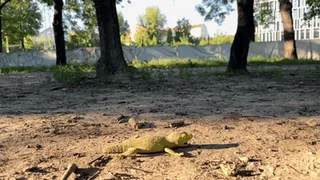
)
(199, 31)
(303, 29)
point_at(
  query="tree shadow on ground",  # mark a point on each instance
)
(206, 146)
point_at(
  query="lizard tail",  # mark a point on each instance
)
(116, 148)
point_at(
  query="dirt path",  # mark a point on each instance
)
(269, 120)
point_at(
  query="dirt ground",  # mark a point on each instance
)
(273, 121)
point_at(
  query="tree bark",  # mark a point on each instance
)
(22, 45)
(111, 60)
(245, 34)
(1, 38)
(59, 33)
(290, 51)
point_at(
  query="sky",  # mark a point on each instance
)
(175, 10)
(172, 9)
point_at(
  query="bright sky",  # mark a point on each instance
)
(174, 10)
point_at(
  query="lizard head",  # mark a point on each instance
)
(179, 138)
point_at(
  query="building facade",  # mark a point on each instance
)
(274, 31)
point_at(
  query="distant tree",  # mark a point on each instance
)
(182, 30)
(21, 20)
(314, 9)
(153, 20)
(218, 9)
(124, 27)
(83, 11)
(221, 38)
(2, 5)
(79, 38)
(169, 37)
(141, 37)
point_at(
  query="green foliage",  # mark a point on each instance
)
(151, 22)
(215, 9)
(141, 38)
(221, 39)
(21, 19)
(183, 41)
(71, 74)
(182, 30)
(123, 25)
(203, 42)
(80, 38)
(263, 13)
(313, 9)
(169, 37)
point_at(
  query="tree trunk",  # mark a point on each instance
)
(59, 33)
(111, 60)
(290, 51)
(22, 45)
(245, 33)
(1, 7)
(1, 38)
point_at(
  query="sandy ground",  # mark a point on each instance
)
(45, 126)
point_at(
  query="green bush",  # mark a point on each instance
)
(71, 74)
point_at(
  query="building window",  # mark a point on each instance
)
(271, 5)
(295, 34)
(278, 36)
(316, 33)
(278, 28)
(302, 34)
(307, 33)
(282, 36)
(298, 3)
(294, 14)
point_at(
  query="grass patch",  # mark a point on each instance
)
(277, 61)
(69, 74)
(24, 69)
(190, 63)
(72, 74)
(177, 63)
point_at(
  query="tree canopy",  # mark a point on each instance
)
(215, 9)
(20, 20)
(150, 25)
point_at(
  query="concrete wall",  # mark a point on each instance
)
(305, 48)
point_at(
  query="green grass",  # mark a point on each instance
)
(177, 63)
(24, 69)
(189, 63)
(73, 74)
(69, 74)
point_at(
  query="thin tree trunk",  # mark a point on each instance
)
(290, 51)
(22, 45)
(1, 38)
(245, 34)
(1, 7)
(59, 33)
(111, 60)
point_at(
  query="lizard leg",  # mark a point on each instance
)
(130, 151)
(170, 151)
